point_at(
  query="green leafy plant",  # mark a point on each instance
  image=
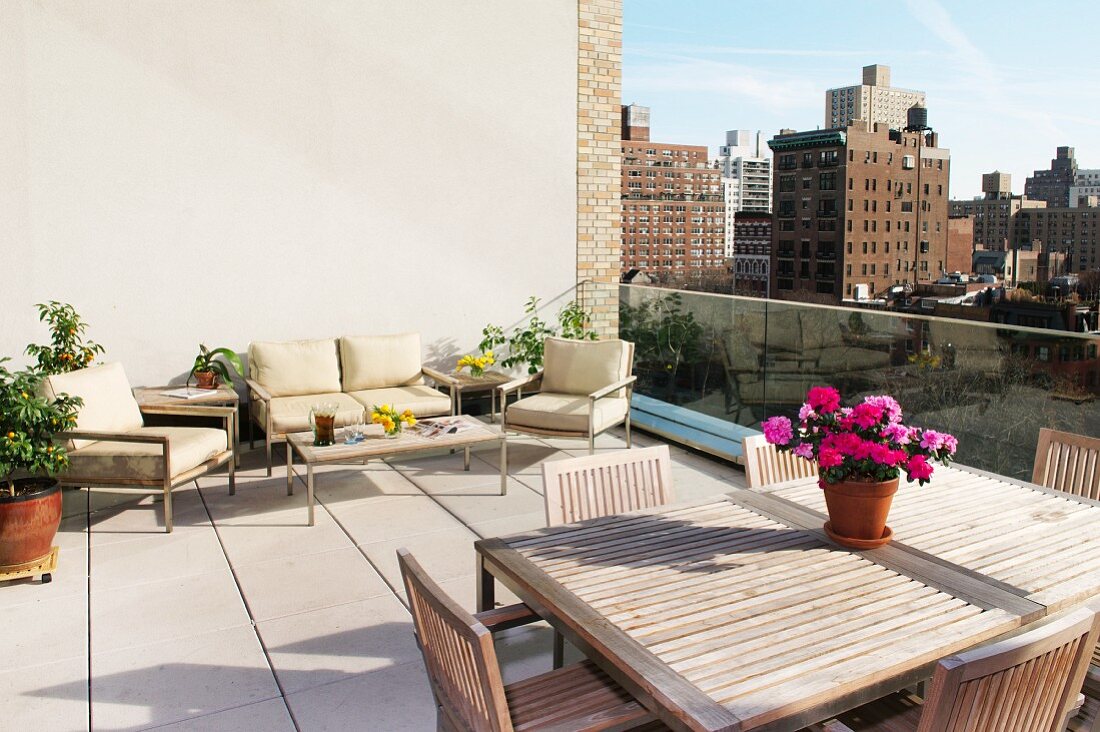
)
(28, 424)
(525, 344)
(67, 351)
(206, 362)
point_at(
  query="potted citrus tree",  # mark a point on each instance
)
(207, 369)
(861, 452)
(30, 498)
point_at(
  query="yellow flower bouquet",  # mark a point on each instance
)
(391, 420)
(477, 364)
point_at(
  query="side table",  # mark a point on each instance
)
(151, 397)
(464, 383)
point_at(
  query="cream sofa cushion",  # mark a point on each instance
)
(565, 412)
(424, 401)
(109, 404)
(582, 367)
(291, 368)
(291, 414)
(374, 362)
(188, 448)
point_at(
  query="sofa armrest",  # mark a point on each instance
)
(612, 388)
(111, 437)
(517, 384)
(256, 388)
(439, 377)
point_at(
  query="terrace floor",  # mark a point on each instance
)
(244, 618)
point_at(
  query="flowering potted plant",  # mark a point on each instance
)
(860, 453)
(390, 419)
(477, 364)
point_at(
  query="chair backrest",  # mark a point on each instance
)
(109, 404)
(1028, 682)
(1068, 462)
(764, 465)
(601, 485)
(458, 653)
(582, 367)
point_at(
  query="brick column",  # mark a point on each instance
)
(599, 157)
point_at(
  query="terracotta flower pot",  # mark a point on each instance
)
(206, 380)
(29, 521)
(858, 511)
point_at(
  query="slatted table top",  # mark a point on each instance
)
(1042, 544)
(727, 615)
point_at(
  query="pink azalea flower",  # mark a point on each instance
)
(829, 458)
(806, 412)
(823, 399)
(778, 430)
(896, 433)
(804, 450)
(918, 468)
(866, 415)
(932, 440)
(889, 406)
(950, 443)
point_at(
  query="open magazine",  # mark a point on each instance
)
(188, 392)
(432, 428)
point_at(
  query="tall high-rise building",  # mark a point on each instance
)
(1085, 184)
(872, 101)
(857, 211)
(673, 215)
(994, 213)
(1053, 185)
(746, 166)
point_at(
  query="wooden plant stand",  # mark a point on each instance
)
(44, 565)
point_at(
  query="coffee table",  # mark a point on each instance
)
(379, 447)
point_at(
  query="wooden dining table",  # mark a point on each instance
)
(737, 613)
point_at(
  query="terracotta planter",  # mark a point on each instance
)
(858, 511)
(206, 380)
(29, 521)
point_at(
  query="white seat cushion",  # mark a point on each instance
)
(565, 412)
(109, 404)
(294, 368)
(291, 414)
(375, 362)
(582, 367)
(424, 401)
(188, 447)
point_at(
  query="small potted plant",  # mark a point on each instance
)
(860, 453)
(208, 370)
(390, 419)
(30, 498)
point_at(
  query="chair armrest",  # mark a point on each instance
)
(193, 410)
(612, 388)
(519, 383)
(111, 437)
(439, 376)
(509, 616)
(258, 389)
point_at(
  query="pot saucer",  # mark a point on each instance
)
(887, 535)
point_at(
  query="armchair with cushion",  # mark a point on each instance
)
(112, 448)
(585, 389)
(286, 378)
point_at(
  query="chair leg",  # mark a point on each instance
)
(168, 509)
(629, 444)
(267, 439)
(251, 428)
(559, 650)
(232, 475)
(591, 444)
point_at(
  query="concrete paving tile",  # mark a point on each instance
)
(299, 584)
(397, 699)
(509, 524)
(49, 630)
(179, 679)
(157, 557)
(74, 502)
(144, 517)
(161, 610)
(332, 644)
(463, 590)
(444, 474)
(68, 580)
(525, 457)
(353, 487)
(248, 542)
(473, 505)
(52, 696)
(392, 519)
(443, 554)
(265, 716)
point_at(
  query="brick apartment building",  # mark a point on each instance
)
(855, 213)
(751, 256)
(673, 215)
(994, 214)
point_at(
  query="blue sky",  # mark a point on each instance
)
(1007, 82)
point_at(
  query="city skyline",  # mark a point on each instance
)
(994, 108)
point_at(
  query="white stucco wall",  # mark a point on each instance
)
(230, 170)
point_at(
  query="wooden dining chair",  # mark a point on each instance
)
(1067, 462)
(765, 465)
(465, 677)
(1030, 683)
(603, 485)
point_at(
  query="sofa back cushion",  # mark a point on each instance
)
(377, 362)
(292, 368)
(582, 367)
(109, 404)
